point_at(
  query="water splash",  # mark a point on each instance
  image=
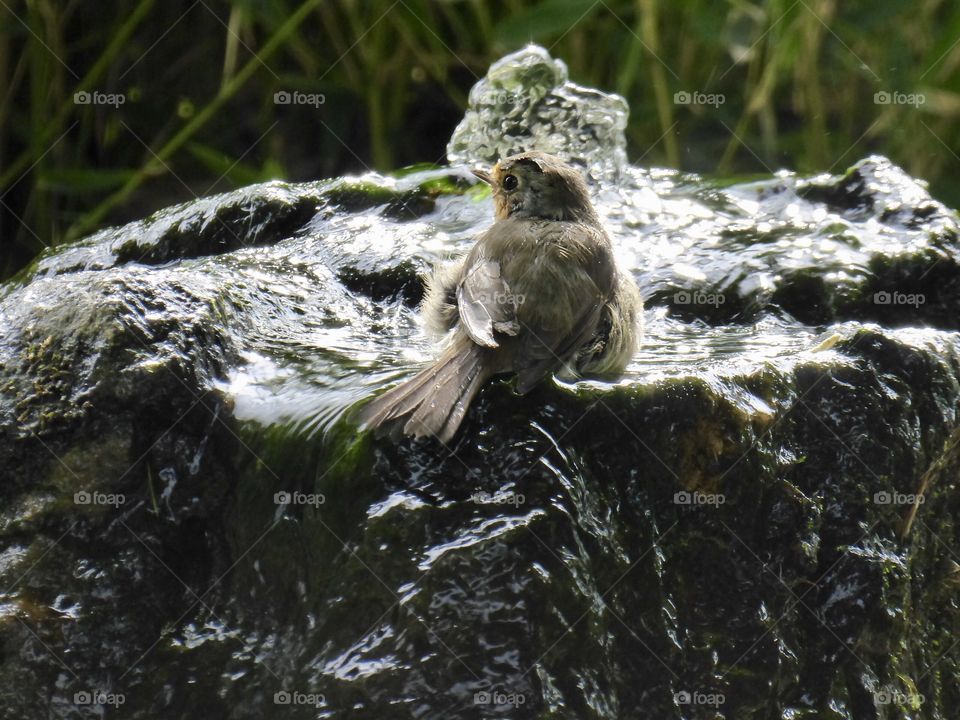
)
(526, 102)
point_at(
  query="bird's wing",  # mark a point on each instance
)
(588, 266)
(485, 302)
(550, 256)
(544, 352)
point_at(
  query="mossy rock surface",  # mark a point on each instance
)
(192, 521)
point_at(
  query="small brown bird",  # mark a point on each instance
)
(539, 293)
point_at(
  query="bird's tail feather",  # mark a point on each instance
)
(434, 401)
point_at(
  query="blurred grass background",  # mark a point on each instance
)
(799, 78)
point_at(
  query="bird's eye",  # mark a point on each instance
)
(510, 182)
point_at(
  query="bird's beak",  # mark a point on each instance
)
(483, 175)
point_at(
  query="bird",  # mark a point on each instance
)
(538, 294)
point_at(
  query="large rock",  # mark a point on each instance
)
(758, 522)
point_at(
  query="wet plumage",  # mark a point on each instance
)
(539, 293)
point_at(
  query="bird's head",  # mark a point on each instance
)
(538, 185)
